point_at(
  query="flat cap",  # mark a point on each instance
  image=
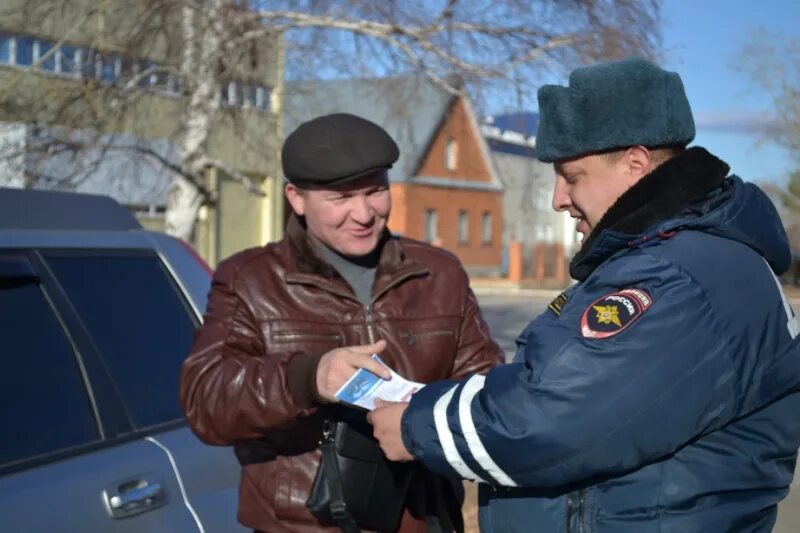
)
(336, 148)
(613, 105)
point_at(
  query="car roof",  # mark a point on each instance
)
(27, 209)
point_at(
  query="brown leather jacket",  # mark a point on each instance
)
(272, 312)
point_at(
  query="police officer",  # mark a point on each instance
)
(659, 393)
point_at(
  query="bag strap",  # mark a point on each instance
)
(333, 478)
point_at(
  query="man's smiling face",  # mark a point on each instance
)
(587, 186)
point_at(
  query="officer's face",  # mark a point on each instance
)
(348, 218)
(588, 186)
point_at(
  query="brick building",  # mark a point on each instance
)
(535, 236)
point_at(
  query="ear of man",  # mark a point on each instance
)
(296, 198)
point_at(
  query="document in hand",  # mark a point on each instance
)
(364, 387)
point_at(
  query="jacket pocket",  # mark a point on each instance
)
(315, 341)
(305, 336)
(413, 337)
(424, 352)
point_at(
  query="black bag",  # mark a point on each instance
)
(356, 486)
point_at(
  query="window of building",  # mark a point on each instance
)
(44, 406)
(486, 228)
(142, 330)
(250, 95)
(262, 98)
(234, 93)
(44, 55)
(89, 64)
(24, 51)
(160, 79)
(431, 225)
(451, 154)
(146, 71)
(128, 68)
(174, 84)
(84, 63)
(108, 67)
(6, 49)
(463, 226)
(67, 60)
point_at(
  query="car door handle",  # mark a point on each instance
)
(134, 497)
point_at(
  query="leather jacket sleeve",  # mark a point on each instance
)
(477, 352)
(232, 388)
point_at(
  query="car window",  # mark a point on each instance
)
(140, 323)
(44, 406)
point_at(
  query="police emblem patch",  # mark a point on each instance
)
(613, 313)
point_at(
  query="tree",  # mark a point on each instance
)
(195, 48)
(773, 65)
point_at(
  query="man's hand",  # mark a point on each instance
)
(385, 420)
(339, 364)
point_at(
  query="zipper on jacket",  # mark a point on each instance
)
(368, 323)
(411, 338)
(569, 512)
(368, 309)
(576, 506)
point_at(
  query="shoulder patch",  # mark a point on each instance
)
(613, 313)
(558, 303)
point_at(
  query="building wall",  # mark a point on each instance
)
(151, 222)
(471, 164)
(398, 220)
(527, 204)
(479, 194)
(477, 256)
(240, 224)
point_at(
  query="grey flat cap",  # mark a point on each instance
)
(337, 148)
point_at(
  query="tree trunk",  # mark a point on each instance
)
(183, 203)
(201, 31)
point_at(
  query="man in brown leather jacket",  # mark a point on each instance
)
(288, 323)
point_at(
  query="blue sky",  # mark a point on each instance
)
(701, 40)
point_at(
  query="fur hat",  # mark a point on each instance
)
(613, 105)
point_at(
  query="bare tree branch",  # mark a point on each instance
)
(475, 46)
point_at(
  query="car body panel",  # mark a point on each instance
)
(64, 491)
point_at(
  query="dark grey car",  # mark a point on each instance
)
(96, 316)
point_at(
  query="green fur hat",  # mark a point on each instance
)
(613, 105)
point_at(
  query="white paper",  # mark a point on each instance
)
(364, 387)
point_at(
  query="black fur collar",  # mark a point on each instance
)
(664, 193)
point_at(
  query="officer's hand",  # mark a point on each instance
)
(385, 420)
(338, 365)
